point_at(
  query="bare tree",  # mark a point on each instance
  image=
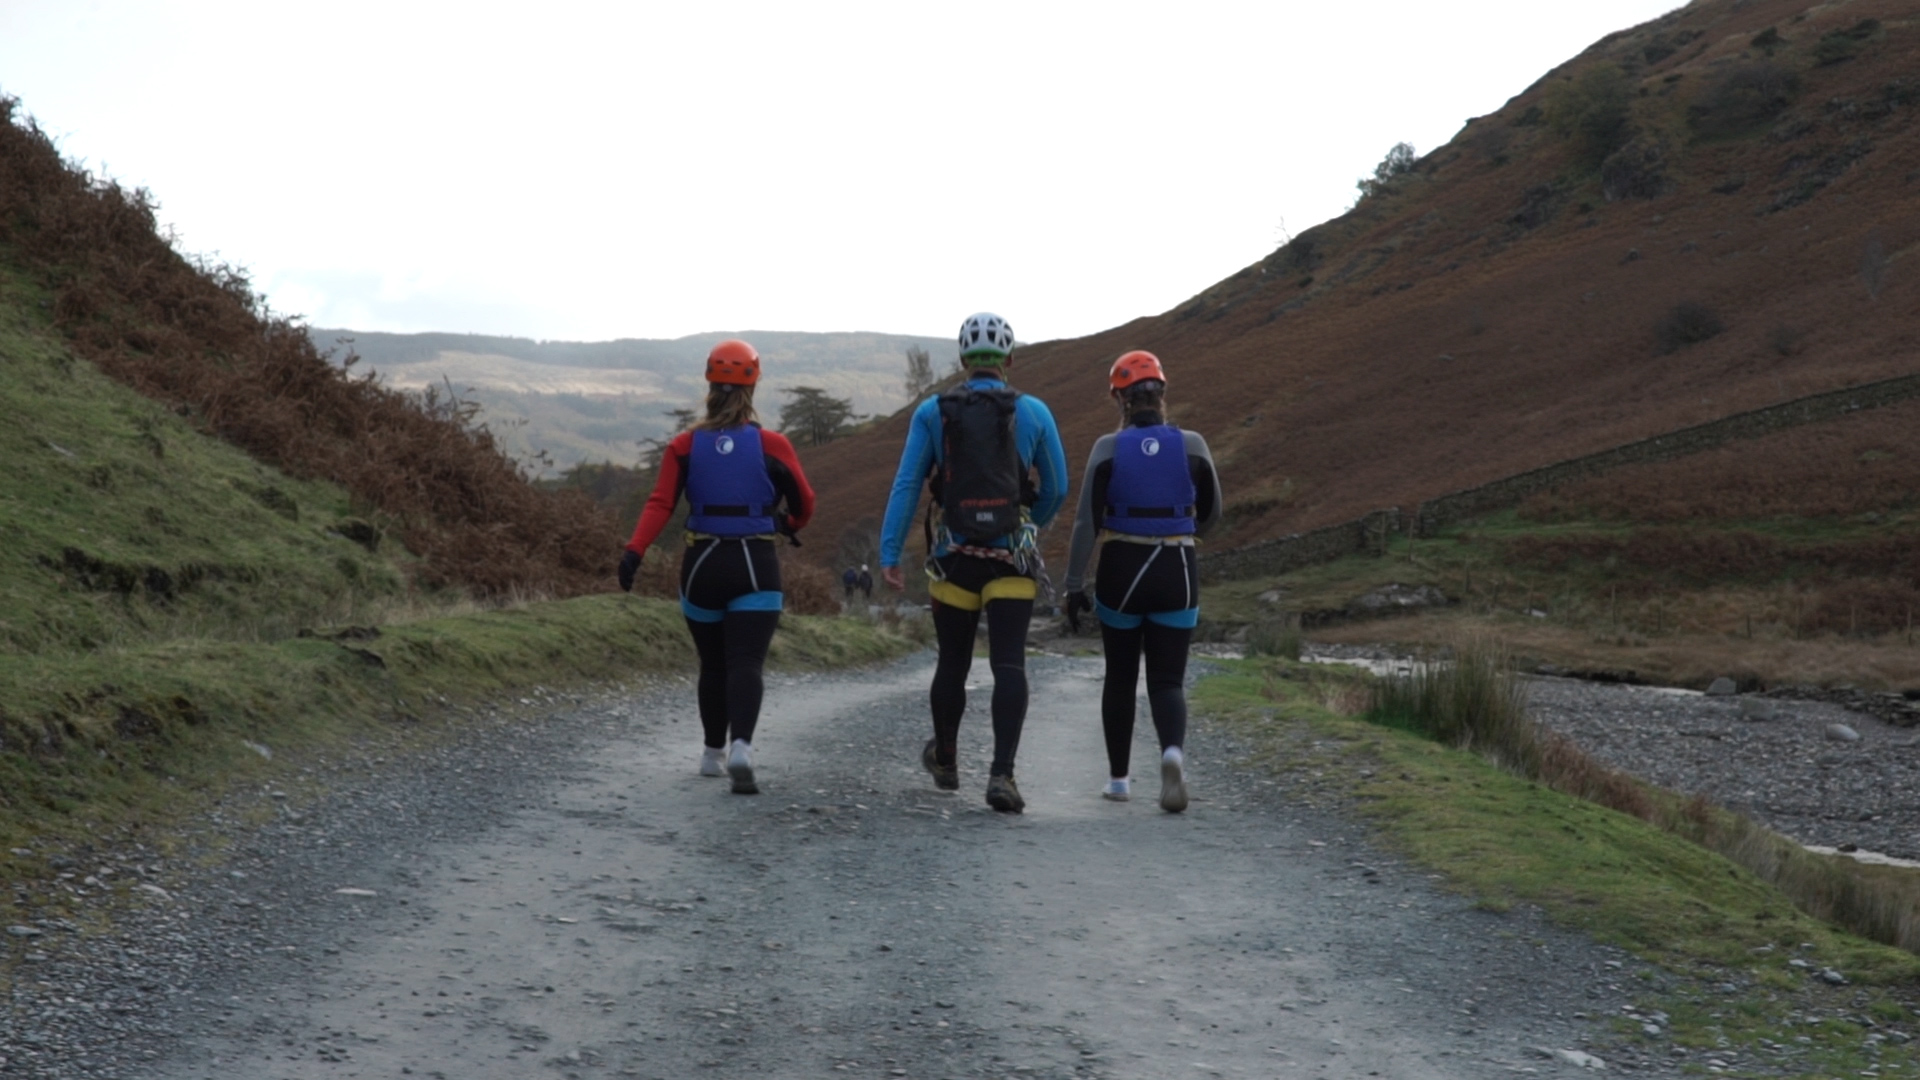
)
(920, 377)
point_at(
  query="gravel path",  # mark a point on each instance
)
(1787, 764)
(566, 899)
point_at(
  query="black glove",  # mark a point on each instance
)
(629, 564)
(1077, 602)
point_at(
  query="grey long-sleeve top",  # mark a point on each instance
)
(1093, 495)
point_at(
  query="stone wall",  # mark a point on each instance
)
(1279, 555)
(1435, 514)
(1371, 532)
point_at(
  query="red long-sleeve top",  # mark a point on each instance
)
(783, 468)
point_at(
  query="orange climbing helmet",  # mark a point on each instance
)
(733, 361)
(1135, 367)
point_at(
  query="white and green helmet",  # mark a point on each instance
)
(985, 334)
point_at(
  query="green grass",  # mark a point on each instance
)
(1504, 840)
(1475, 564)
(121, 524)
(136, 739)
(1774, 602)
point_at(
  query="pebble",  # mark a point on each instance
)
(1580, 1059)
(23, 931)
(1842, 733)
(1832, 977)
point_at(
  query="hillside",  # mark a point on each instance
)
(580, 402)
(1532, 290)
(195, 336)
(122, 525)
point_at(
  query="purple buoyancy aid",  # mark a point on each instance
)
(728, 490)
(1150, 489)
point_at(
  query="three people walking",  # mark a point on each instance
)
(996, 471)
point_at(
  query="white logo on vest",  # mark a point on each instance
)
(1149, 447)
(724, 444)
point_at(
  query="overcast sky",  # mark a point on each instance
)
(588, 171)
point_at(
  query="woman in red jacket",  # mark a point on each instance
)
(744, 487)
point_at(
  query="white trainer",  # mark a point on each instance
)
(713, 761)
(1173, 780)
(1119, 789)
(740, 767)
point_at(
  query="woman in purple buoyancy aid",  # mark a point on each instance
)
(744, 489)
(1152, 489)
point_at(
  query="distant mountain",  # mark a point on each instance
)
(594, 401)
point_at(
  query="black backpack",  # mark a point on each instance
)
(979, 481)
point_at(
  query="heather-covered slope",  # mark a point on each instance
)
(197, 338)
(1533, 290)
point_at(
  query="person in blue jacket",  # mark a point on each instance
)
(982, 569)
(1151, 488)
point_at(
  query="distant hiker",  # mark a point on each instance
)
(744, 488)
(866, 581)
(849, 580)
(1152, 488)
(975, 445)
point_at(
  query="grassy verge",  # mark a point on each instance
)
(1748, 962)
(1767, 602)
(121, 741)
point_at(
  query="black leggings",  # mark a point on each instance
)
(733, 651)
(1138, 579)
(1166, 652)
(1007, 622)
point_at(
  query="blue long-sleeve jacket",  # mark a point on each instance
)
(1040, 449)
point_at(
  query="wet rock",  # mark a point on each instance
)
(1394, 598)
(1580, 1059)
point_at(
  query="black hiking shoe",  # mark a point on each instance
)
(1003, 795)
(945, 777)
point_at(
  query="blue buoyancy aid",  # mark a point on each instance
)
(1150, 489)
(728, 490)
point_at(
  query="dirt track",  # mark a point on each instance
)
(619, 916)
